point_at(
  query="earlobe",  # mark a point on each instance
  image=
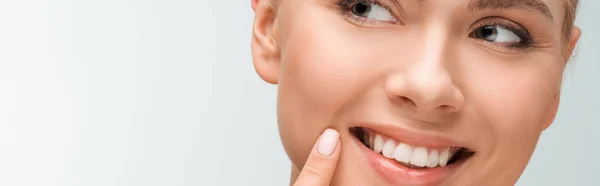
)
(553, 111)
(265, 52)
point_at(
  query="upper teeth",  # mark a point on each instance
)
(407, 154)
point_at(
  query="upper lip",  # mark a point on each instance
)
(412, 137)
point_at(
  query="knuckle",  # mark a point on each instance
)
(312, 171)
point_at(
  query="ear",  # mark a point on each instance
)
(573, 39)
(265, 52)
(553, 110)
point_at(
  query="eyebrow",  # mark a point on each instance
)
(537, 5)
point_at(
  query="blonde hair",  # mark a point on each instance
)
(570, 14)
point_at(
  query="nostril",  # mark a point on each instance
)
(408, 101)
(446, 108)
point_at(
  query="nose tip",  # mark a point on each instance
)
(425, 93)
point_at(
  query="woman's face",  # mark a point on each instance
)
(452, 92)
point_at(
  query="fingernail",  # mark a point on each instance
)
(328, 142)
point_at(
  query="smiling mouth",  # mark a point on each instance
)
(412, 157)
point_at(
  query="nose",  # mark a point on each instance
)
(427, 87)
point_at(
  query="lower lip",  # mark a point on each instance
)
(398, 174)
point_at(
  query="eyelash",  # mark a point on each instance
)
(526, 38)
(346, 9)
(346, 5)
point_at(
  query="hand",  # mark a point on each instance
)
(320, 166)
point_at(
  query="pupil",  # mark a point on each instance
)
(489, 33)
(360, 9)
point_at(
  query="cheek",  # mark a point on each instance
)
(514, 100)
(519, 98)
(317, 76)
(323, 67)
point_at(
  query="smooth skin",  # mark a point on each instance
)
(318, 169)
(424, 74)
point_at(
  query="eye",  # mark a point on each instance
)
(497, 34)
(372, 11)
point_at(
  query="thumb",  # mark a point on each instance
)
(320, 166)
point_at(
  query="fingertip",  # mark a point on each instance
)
(321, 163)
(328, 142)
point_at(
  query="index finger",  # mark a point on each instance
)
(322, 161)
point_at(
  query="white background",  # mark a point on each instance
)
(157, 92)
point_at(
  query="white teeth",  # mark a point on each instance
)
(434, 159)
(407, 154)
(419, 157)
(378, 144)
(389, 148)
(403, 153)
(444, 157)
